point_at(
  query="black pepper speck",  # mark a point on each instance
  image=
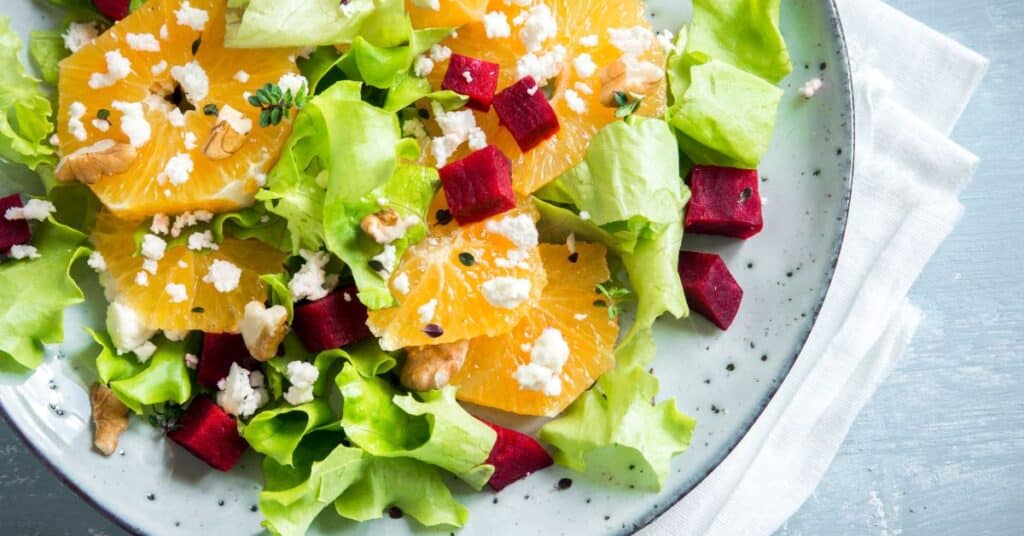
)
(730, 367)
(564, 484)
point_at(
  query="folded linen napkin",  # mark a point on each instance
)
(908, 177)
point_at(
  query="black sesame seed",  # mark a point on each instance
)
(376, 265)
(254, 508)
(210, 109)
(196, 44)
(606, 518)
(467, 259)
(600, 303)
(564, 484)
(395, 512)
(494, 501)
(151, 497)
(730, 367)
(443, 216)
(423, 113)
(823, 66)
(220, 502)
(433, 331)
(574, 257)
(198, 310)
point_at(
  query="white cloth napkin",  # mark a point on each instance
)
(911, 86)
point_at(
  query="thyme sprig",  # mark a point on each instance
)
(276, 104)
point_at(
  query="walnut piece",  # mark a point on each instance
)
(386, 226)
(109, 416)
(263, 329)
(223, 141)
(92, 163)
(630, 77)
(432, 367)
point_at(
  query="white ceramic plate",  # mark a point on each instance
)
(724, 380)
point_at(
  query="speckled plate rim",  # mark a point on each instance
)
(847, 89)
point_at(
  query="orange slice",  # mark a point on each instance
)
(204, 307)
(214, 185)
(567, 305)
(452, 13)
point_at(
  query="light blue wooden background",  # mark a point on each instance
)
(940, 450)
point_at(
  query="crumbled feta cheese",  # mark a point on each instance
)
(142, 279)
(159, 68)
(224, 276)
(178, 170)
(547, 358)
(191, 17)
(178, 293)
(387, 258)
(434, 5)
(263, 329)
(423, 66)
(144, 42)
(235, 119)
(242, 77)
(133, 122)
(150, 266)
(145, 352)
(34, 209)
(631, 41)
(477, 139)
(538, 26)
(427, 311)
(456, 128)
(153, 247)
(161, 224)
(75, 125)
(583, 88)
(585, 66)
(19, 252)
(193, 81)
(519, 229)
(97, 262)
(55, 140)
(126, 329)
(310, 282)
(118, 68)
(241, 392)
(506, 292)
(666, 40)
(811, 88)
(191, 361)
(302, 376)
(296, 83)
(589, 41)
(191, 141)
(440, 53)
(176, 118)
(401, 283)
(416, 129)
(496, 25)
(188, 219)
(201, 241)
(163, 31)
(575, 102)
(101, 125)
(542, 67)
(467, 76)
(80, 34)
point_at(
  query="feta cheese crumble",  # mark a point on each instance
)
(20, 252)
(666, 40)
(188, 219)
(241, 392)
(467, 76)
(176, 118)
(506, 292)
(310, 282)
(118, 68)
(143, 42)
(159, 68)
(145, 352)
(538, 26)
(547, 358)
(97, 262)
(191, 361)
(585, 66)
(542, 67)
(302, 376)
(575, 102)
(150, 266)
(242, 77)
(201, 241)
(133, 122)
(589, 41)
(80, 34)
(440, 53)
(191, 141)
(434, 5)
(142, 279)
(387, 258)
(224, 276)
(161, 224)
(423, 66)
(583, 88)
(126, 329)
(401, 283)
(34, 209)
(496, 25)
(296, 83)
(427, 311)
(193, 81)
(519, 229)
(177, 171)
(178, 293)
(191, 17)
(101, 125)
(153, 247)
(235, 119)
(811, 88)
(456, 128)
(631, 41)
(75, 125)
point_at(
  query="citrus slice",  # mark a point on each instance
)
(126, 84)
(450, 13)
(182, 295)
(580, 23)
(478, 279)
(568, 305)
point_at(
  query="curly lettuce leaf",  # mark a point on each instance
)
(163, 378)
(382, 66)
(26, 124)
(615, 432)
(411, 485)
(35, 293)
(743, 33)
(435, 430)
(277, 432)
(296, 23)
(46, 47)
(251, 222)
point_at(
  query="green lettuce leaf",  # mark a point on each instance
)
(382, 66)
(276, 432)
(411, 485)
(280, 293)
(435, 430)
(35, 293)
(46, 47)
(164, 378)
(251, 222)
(615, 432)
(25, 125)
(743, 33)
(296, 23)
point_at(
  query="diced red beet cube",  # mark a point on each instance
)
(210, 434)
(526, 113)
(12, 233)
(479, 186)
(333, 322)
(710, 288)
(219, 351)
(725, 202)
(112, 9)
(515, 455)
(476, 79)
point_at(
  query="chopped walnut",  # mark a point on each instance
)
(629, 77)
(263, 329)
(432, 367)
(387, 226)
(109, 416)
(223, 142)
(90, 164)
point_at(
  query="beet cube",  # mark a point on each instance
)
(219, 351)
(209, 434)
(112, 9)
(725, 202)
(476, 79)
(12, 233)
(515, 455)
(710, 288)
(479, 186)
(333, 322)
(526, 113)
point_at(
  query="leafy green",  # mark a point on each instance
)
(615, 431)
(47, 49)
(25, 125)
(383, 66)
(276, 432)
(295, 23)
(35, 293)
(163, 378)
(743, 33)
(251, 222)
(280, 293)
(435, 430)
(411, 485)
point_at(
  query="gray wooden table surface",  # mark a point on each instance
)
(940, 449)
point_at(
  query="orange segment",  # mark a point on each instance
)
(453, 13)
(567, 305)
(214, 185)
(576, 19)
(206, 308)
(453, 282)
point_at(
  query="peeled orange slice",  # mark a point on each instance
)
(127, 76)
(450, 13)
(476, 280)
(488, 376)
(193, 302)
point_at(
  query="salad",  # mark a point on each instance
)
(330, 232)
